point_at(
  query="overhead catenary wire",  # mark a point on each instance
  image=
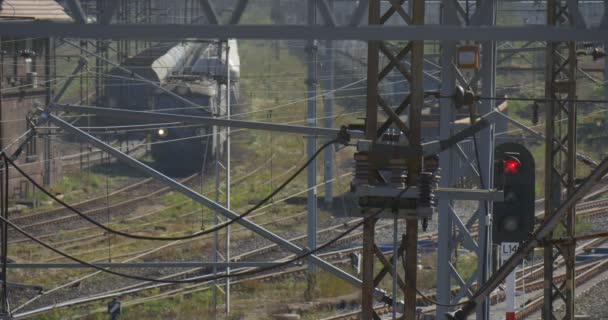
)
(46, 136)
(199, 278)
(238, 130)
(150, 251)
(191, 236)
(542, 99)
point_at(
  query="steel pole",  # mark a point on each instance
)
(446, 116)
(217, 132)
(415, 163)
(228, 174)
(311, 145)
(371, 123)
(328, 103)
(486, 154)
(367, 292)
(4, 226)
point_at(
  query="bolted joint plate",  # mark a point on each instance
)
(368, 199)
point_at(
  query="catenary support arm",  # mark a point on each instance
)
(199, 120)
(201, 199)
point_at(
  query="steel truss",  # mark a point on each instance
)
(560, 147)
(214, 28)
(560, 154)
(413, 74)
(452, 229)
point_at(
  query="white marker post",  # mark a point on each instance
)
(506, 251)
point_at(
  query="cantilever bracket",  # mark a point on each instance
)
(438, 146)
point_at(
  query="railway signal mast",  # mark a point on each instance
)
(513, 219)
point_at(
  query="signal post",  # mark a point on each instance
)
(514, 173)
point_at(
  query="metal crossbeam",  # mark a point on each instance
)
(161, 32)
(199, 120)
(156, 265)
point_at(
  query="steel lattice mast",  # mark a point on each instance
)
(560, 153)
(413, 74)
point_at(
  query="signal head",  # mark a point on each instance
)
(511, 166)
(510, 223)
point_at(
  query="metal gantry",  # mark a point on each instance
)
(560, 154)
(565, 25)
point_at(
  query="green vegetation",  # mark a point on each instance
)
(466, 265)
(582, 225)
(72, 188)
(273, 88)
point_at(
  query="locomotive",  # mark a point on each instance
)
(191, 70)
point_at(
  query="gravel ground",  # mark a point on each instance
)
(591, 300)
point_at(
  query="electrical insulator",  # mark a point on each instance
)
(425, 224)
(426, 184)
(463, 97)
(535, 118)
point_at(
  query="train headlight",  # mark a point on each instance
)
(162, 132)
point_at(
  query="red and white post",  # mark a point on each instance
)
(507, 250)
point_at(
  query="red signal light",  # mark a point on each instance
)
(511, 166)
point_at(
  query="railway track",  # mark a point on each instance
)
(249, 255)
(337, 257)
(584, 273)
(102, 235)
(590, 209)
(297, 271)
(138, 193)
(528, 280)
(86, 159)
(62, 220)
(142, 190)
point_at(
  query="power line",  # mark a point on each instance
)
(538, 99)
(194, 235)
(195, 279)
